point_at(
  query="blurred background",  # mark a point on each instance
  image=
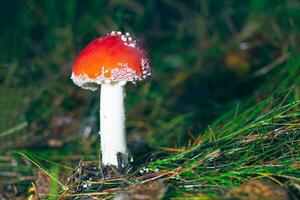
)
(207, 56)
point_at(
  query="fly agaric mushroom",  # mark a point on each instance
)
(111, 61)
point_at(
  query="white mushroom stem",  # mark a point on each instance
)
(112, 124)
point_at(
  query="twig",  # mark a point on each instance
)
(14, 129)
(271, 66)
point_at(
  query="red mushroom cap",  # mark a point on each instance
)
(113, 58)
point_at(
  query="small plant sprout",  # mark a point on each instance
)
(111, 61)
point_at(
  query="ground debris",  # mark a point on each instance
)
(257, 190)
(93, 180)
(43, 184)
(153, 190)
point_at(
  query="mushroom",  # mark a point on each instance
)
(111, 61)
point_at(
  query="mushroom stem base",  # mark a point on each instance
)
(112, 125)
